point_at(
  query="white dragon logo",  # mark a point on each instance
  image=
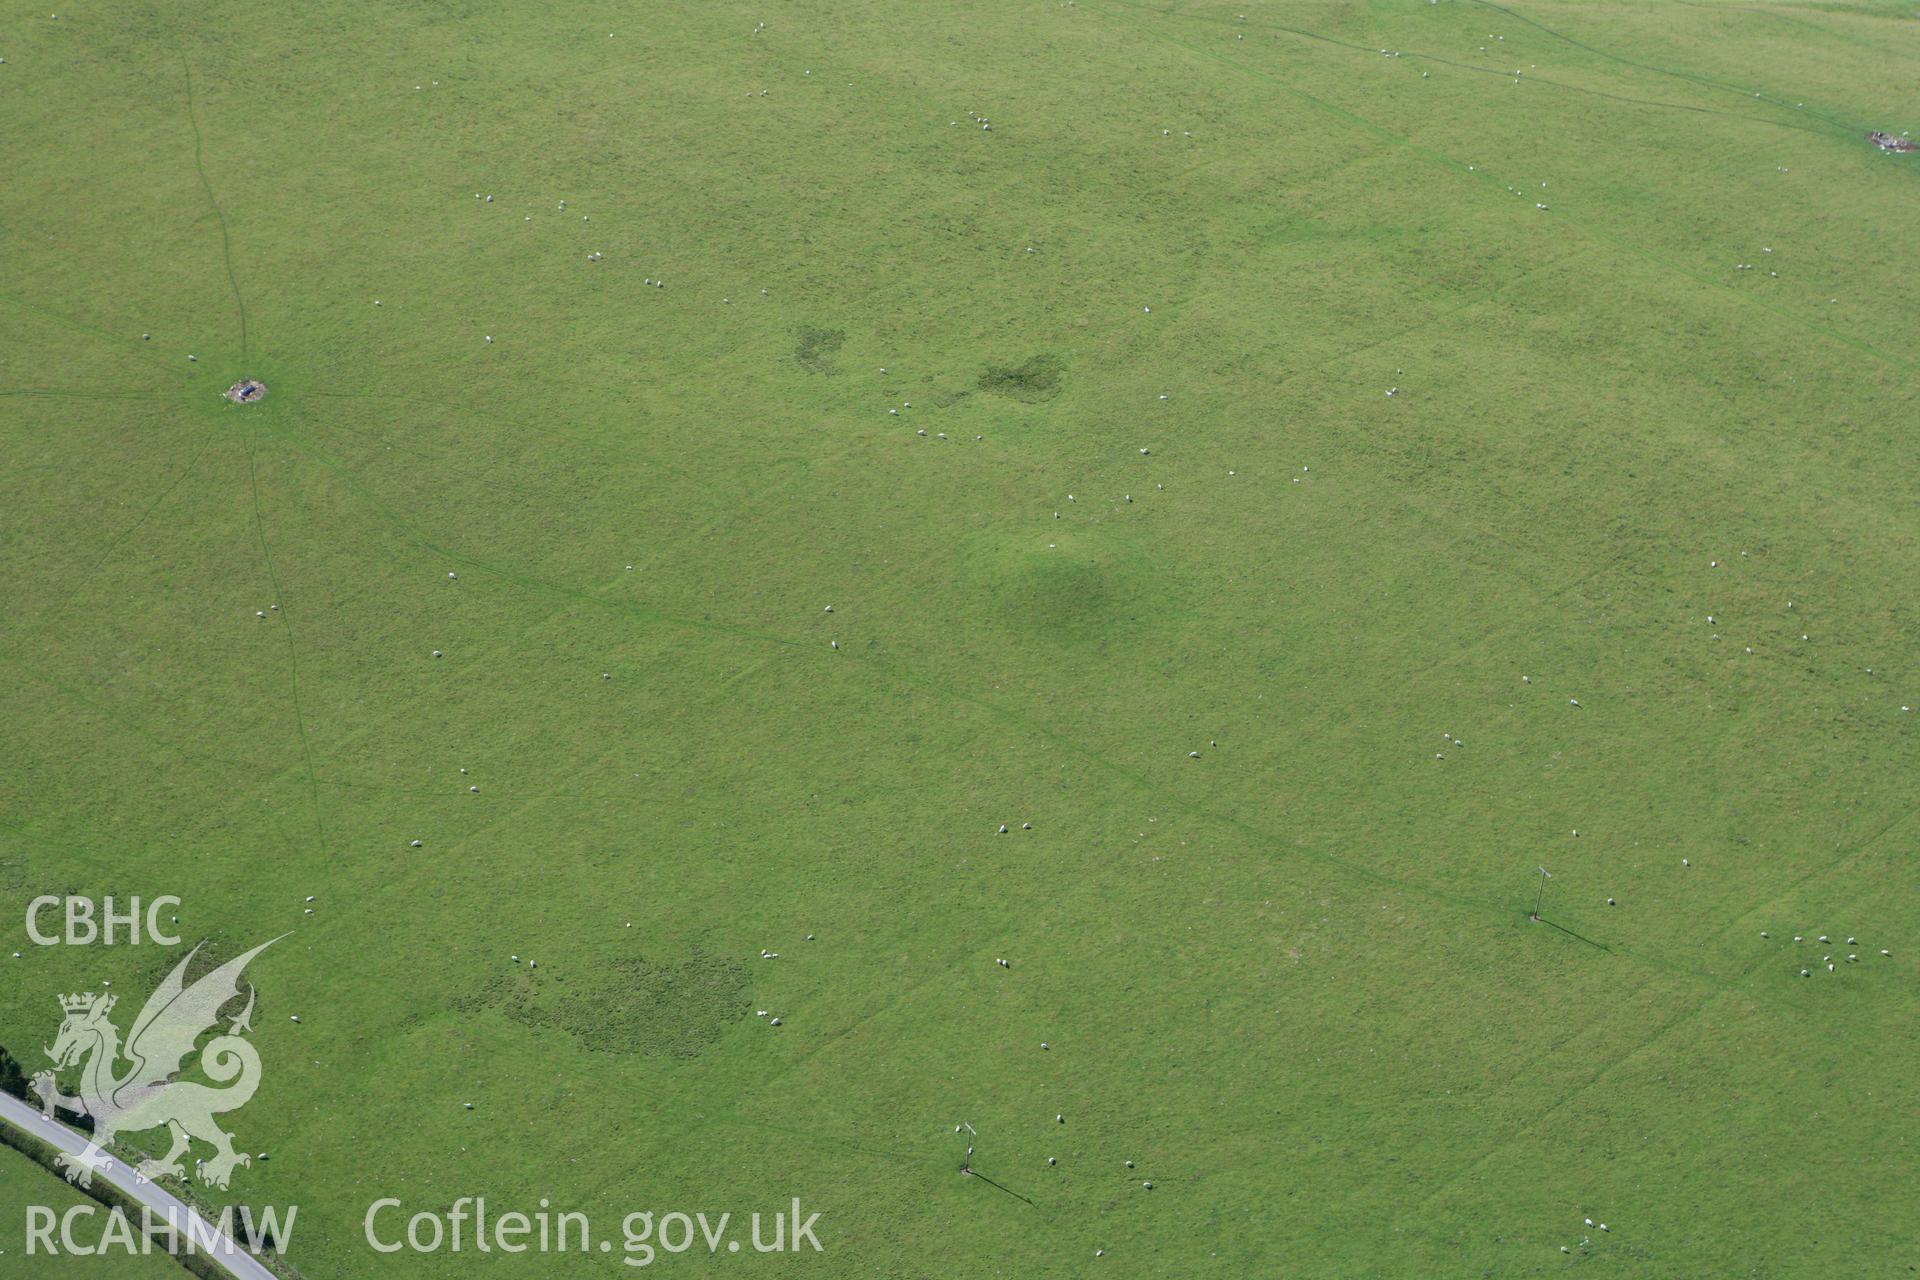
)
(147, 1094)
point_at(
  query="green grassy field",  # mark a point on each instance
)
(24, 1182)
(1162, 505)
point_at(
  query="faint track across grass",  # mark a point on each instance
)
(285, 611)
(226, 241)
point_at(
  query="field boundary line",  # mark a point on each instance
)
(1444, 161)
(81, 326)
(67, 602)
(285, 610)
(226, 241)
(1200, 808)
(1567, 1099)
(1704, 81)
(56, 393)
(1469, 67)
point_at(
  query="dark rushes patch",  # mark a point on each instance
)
(816, 348)
(1031, 383)
(633, 1005)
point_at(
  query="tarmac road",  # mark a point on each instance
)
(165, 1206)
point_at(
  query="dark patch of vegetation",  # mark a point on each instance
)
(816, 349)
(1035, 381)
(12, 1079)
(636, 1005)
